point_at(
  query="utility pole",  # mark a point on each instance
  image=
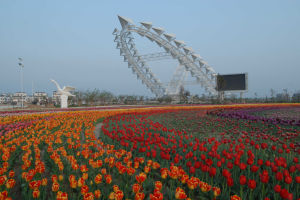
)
(32, 89)
(21, 73)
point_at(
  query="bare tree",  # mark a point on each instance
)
(272, 94)
(296, 97)
(286, 95)
(79, 96)
(91, 96)
(105, 97)
(183, 95)
(255, 94)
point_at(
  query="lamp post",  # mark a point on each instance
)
(21, 73)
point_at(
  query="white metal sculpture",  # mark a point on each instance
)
(175, 49)
(64, 94)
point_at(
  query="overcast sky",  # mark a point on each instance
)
(72, 42)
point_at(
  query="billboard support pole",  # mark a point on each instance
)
(241, 97)
(221, 96)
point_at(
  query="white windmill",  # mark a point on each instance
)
(64, 94)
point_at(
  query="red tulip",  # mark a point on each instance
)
(251, 184)
(284, 193)
(264, 176)
(243, 180)
(212, 171)
(288, 180)
(230, 182)
(226, 173)
(279, 176)
(254, 168)
(192, 170)
(277, 188)
(243, 166)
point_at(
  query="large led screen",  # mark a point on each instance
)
(231, 82)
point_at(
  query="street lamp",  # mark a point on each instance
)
(21, 72)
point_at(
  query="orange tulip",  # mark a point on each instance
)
(35, 185)
(73, 184)
(61, 195)
(55, 187)
(3, 194)
(108, 179)
(35, 193)
(174, 172)
(192, 183)
(157, 195)
(119, 195)
(54, 178)
(116, 188)
(72, 178)
(85, 176)
(10, 183)
(130, 171)
(111, 196)
(180, 193)
(84, 189)
(235, 197)
(2, 179)
(158, 185)
(149, 163)
(184, 178)
(98, 178)
(141, 177)
(136, 164)
(103, 171)
(147, 169)
(83, 168)
(217, 191)
(164, 173)
(5, 156)
(88, 196)
(44, 181)
(97, 194)
(139, 196)
(80, 182)
(205, 187)
(136, 188)
(155, 165)
(11, 174)
(60, 177)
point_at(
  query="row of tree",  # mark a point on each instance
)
(97, 97)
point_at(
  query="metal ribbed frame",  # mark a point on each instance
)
(193, 63)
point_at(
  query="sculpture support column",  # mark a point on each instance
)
(63, 101)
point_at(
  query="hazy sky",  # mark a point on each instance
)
(72, 42)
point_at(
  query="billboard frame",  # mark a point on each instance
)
(246, 83)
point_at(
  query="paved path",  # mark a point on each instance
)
(97, 130)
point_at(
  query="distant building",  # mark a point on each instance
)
(18, 97)
(5, 98)
(40, 97)
(29, 99)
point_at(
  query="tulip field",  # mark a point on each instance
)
(247, 151)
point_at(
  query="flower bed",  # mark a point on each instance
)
(58, 156)
(249, 163)
(259, 114)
